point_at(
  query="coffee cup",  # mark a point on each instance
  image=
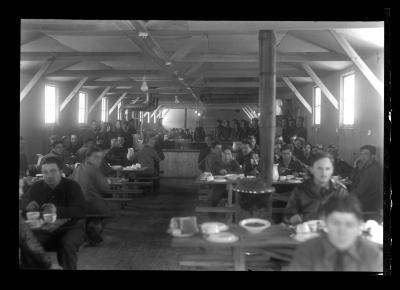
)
(49, 217)
(210, 228)
(33, 215)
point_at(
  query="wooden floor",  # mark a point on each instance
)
(138, 240)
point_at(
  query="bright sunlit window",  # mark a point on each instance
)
(82, 108)
(119, 111)
(348, 100)
(317, 106)
(50, 104)
(104, 109)
(126, 114)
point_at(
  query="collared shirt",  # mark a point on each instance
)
(319, 254)
(307, 198)
(67, 196)
(367, 184)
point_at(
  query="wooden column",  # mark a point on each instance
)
(267, 102)
(185, 125)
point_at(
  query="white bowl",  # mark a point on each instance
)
(232, 177)
(213, 227)
(246, 223)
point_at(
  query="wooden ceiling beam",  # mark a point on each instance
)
(116, 103)
(73, 93)
(103, 93)
(359, 63)
(111, 73)
(298, 95)
(179, 56)
(151, 83)
(35, 79)
(321, 85)
(251, 73)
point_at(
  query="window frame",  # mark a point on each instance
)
(314, 107)
(105, 111)
(85, 116)
(56, 105)
(119, 110)
(342, 102)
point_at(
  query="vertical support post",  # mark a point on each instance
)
(185, 124)
(267, 102)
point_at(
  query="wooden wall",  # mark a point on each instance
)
(369, 114)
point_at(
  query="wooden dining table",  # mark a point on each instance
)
(275, 241)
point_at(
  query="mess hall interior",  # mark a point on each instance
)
(201, 145)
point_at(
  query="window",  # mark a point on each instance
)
(119, 111)
(82, 108)
(104, 109)
(317, 106)
(347, 106)
(50, 104)
(126, 114)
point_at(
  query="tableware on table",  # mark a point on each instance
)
(50, 217)
(39, 175)
(138, 165)
(33, 215)
(219, 177)
(302, 237)
(294, 181)
(232, 177)
(289, 177)
(315, 225)
(303, 228)
(223, 237)
(183, 226)
(213, 227)
(116, 167)
(34, 224)
(210, 178)
(282, 178)
(275, 172)
(254, 225)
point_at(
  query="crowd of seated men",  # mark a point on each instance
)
(297, 157)
(75, 184)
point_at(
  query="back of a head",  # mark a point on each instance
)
(287, 147)
(321, 155)
(56, 143)
(215, 143)
(342, 202)
(92, 150)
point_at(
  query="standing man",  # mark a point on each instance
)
(56, 194)
(219, 131)
(227, 131)
(214, 156)
(367, 180)
(204, 152)
(301, 131)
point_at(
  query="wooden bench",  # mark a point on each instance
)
(154, 179)
(126, 193)
(207, 261)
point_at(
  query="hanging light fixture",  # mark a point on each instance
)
(144, 88)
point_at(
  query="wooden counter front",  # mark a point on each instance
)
(180, 163)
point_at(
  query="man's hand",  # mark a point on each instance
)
(49, 208)
(296, 219)
(32, 206)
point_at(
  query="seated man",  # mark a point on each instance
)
(58, 152)
(288, 164)
(341, 248)
(367, 180)
(117, 155)
(227, 164)
(56, 194)
(307, 198)
(95, 187)
(148, 157)
(248, 159)
(213, 157)
(298, 149)
(75, 144)
(342, 169)
(254, 146)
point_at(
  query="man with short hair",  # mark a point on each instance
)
(254, 146)
(148, 157)
(204, 152)
(75, 144)
(367, 180)
(298, 151)
(288, 164)
(56, 194)
(58, 152)
(341, 168)
(219, 131)
(227, 132)
(214, 156)
(341, 247)
(127, 134)
(227, 164)
(95, 187)
(248, 159)
(301, 131)
(118, 155)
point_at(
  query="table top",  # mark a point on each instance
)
(131, 169)
(276, 236)
(226, 181)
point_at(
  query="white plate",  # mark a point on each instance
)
(179, 235)
(220, 180)
(221, 226)
(302, 237)
(224, 237)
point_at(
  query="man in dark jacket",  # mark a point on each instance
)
(219, 131)
(367, 180)
(288, 164)
(63, 197)
(341, 168)
(301, 131)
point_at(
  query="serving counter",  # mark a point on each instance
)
(180, 163)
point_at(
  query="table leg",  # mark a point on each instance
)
(239, 259)
(229, 188)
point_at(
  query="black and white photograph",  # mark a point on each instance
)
(204, 145)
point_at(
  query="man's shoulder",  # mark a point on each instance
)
(70, 183)
(368, 248)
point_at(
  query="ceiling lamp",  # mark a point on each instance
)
(168, 63)
(143, 34)
(144, 87)
(176, 100)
